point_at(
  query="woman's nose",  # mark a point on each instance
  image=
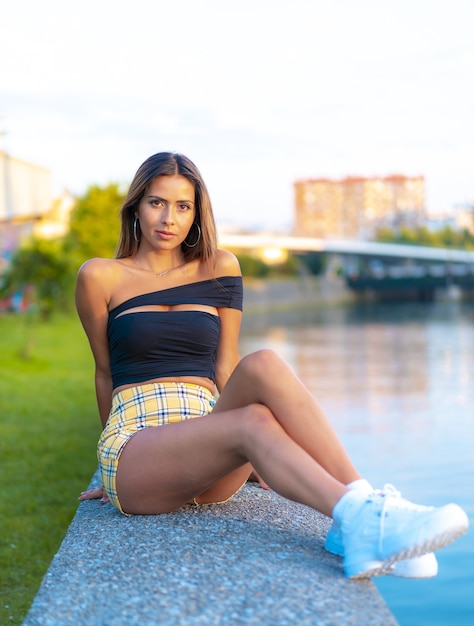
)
(167, 215)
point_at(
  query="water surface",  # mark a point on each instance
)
(397, 381)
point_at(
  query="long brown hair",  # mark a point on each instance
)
(169, 164)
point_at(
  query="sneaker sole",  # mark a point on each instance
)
(380, 568)
(401, 569)
(436, 543)
(375, 568)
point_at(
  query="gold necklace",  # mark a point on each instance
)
(165, 272)
(161, 274)
(168, 270)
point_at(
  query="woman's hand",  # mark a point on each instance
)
(256, 478)
(94, 494)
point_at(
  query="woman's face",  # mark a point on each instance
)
(166, 212)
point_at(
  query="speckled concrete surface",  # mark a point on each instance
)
(257, 560)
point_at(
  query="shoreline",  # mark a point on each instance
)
(263, 295)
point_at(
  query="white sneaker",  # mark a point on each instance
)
(379, 530)
(425, 566)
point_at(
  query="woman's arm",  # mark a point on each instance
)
(228, 350)
(227, 353)
(92, 298)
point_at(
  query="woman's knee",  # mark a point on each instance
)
(259, 429)
(257, 421)
(261, 363)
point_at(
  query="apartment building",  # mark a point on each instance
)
(355, 207)
(26, 199)
(25, 189)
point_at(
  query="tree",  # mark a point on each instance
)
(47, 268)
(95, 223)
(446, 237)
(42, 268)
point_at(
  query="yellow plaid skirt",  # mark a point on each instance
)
(145, 406)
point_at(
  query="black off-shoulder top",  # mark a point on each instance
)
(155, 344)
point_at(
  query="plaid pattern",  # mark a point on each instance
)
(145, 406)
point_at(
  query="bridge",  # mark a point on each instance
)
(386, 269)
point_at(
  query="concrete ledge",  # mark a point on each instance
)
(257, 560)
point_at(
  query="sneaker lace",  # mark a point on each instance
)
(388, 491)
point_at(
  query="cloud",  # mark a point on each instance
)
(258, 93)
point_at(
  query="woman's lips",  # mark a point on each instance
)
(164, 234)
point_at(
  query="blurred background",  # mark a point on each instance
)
(336, 141)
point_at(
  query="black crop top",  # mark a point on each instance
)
(155, 344)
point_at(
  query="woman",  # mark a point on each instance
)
(163, 321)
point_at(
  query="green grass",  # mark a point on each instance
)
(49, 426)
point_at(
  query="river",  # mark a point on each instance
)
(397, 381)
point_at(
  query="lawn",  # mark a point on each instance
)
(49, 426)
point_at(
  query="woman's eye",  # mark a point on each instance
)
(157, 203)
(184, 207)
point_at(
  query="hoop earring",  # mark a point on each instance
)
(198, 237)
(135, 221)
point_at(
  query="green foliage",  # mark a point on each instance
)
(291, 267)
(48, 434)
(446, 237)
(316, 262)
(95, 223)
(40, 267)
(46, 270)
(254, 267)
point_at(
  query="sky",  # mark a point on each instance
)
(258, 93)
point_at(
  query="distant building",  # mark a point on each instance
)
(465, 216)
(25, 196)
(459, 217)
(27, 206)
(356, 207)
(25, 189)
(55, 222)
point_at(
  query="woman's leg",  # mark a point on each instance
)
(162, 468)
(263, 377)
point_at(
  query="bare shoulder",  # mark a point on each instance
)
(98, 269)
(227, 264)
(97, 279)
